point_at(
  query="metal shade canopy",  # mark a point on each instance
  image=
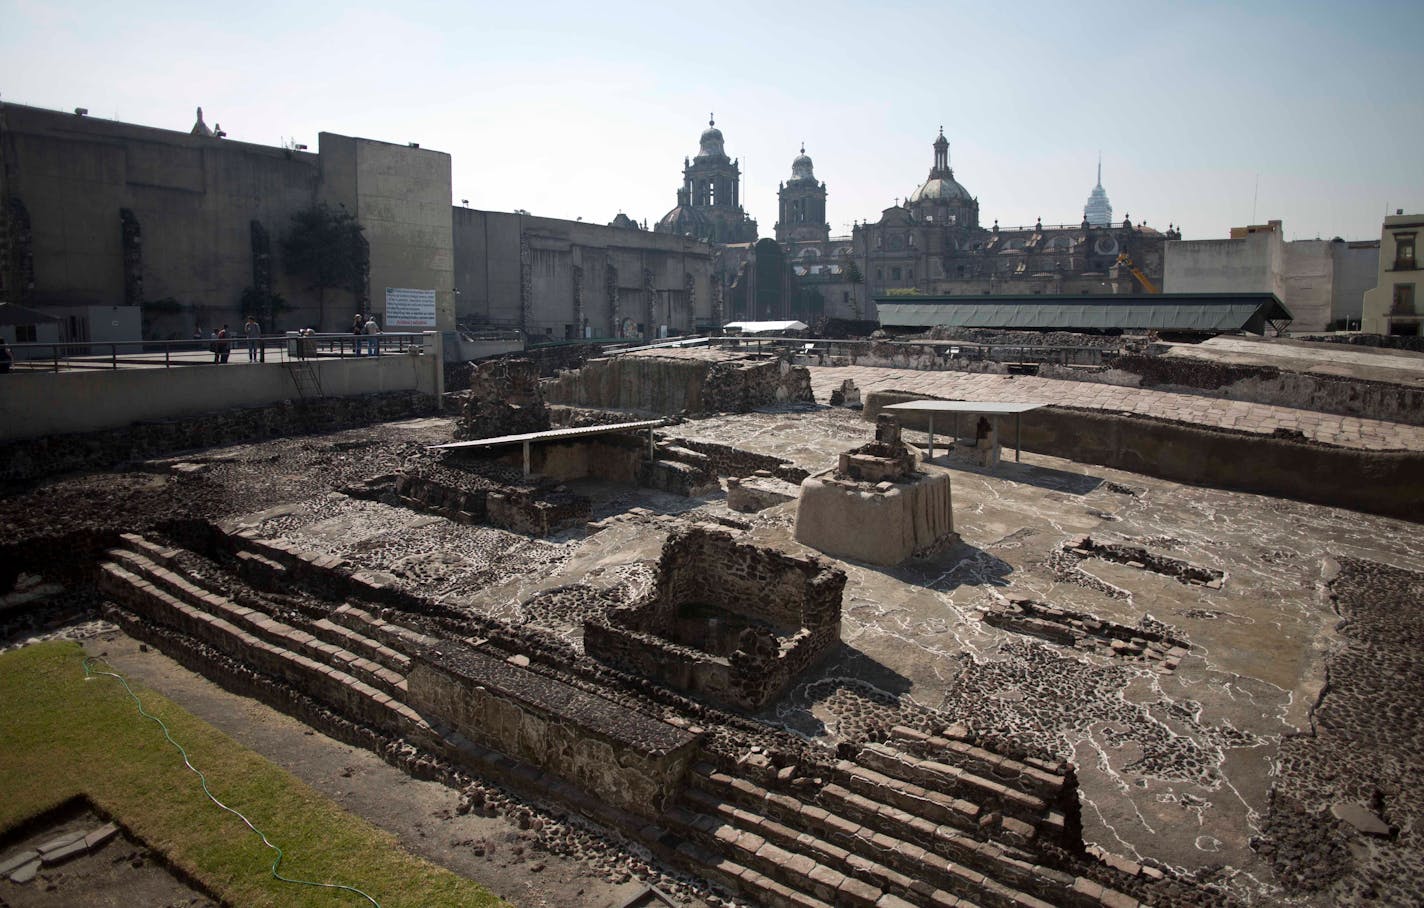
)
(993, 408)
(528, 438)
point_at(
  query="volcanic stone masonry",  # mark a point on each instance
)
(730, 620)
(876, 507)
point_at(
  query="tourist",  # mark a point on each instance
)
(358, 328)
(373, 332)
(6, 358)
(254, 335)
(224, 347)
(213, 343)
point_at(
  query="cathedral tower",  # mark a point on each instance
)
(709, 205)
(803, 205)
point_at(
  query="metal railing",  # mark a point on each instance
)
(943, 349)
(62, 356)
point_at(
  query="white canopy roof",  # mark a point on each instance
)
(762, 327)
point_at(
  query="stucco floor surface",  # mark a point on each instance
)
(1174, 766)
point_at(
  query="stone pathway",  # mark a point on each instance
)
(1210, 412)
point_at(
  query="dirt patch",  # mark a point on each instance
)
(119, 873)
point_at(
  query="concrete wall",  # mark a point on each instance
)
(1308, 277)
(1375, 482)
(1356, 271)
(1248, 265)
(401, 195)
(48, 403)
(194, 199)
(569, 262)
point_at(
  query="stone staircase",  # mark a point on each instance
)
(886, 828)
(919, 820)
(350, 665)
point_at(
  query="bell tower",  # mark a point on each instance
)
(802, 210)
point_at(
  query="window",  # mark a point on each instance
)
(1403, 300)
(911, 240)
(894, 274)
(880, 274)
(1404, 252)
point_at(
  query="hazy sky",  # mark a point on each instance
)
(588, 108)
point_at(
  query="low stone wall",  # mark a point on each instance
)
(534, 511)
(672, 385)
(631, 760)
(1258, 384)
(775, 615)
(1375, 482)
(53, 454)
(729, 461)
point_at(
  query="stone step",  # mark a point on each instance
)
(759, 888)
(887, 828)
(860, 876)
(896, 866)
(154, 551)
(917, 801)
(397, 637)
(334, 687)
(956, 781)
(795, 869)
(261, 571)
(353, 640)
(1045, 780)
(260, 624)
(952, 844)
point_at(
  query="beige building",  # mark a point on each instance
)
(1393, 306)
(1322, 282)
(187, 226)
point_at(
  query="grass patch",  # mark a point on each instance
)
(63, 738)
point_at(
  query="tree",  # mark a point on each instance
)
(325, 247)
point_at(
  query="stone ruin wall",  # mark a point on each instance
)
(53, 454)
(729, 461)
(631, 760)
(749, 580)
(1390, 483)
(503, 399)
(674, 385)
(1257, 384)
(797, 595)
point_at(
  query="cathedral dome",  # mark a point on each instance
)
(684, 220)
(711, 141)
(941, 189)
(802, 169)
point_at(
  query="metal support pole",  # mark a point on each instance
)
(652, 449)
(1018, 437)
(526, 459)
(931, 452)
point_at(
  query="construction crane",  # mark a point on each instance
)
(1125, 261)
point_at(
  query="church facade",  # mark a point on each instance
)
(933, 243)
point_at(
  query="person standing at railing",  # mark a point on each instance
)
(373, 335)
(6, 357)
(224, 345)
(358, 327)
(254, 334)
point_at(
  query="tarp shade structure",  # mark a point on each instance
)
(1204, 312)
(764, 327)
